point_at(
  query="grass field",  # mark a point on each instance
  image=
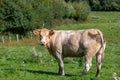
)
(18, 62)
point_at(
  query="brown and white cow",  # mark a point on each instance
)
(74, 43)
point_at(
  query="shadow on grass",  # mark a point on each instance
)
(46, 72)
(37, 71)
(13, 71)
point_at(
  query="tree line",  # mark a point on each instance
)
(22, 16)
(101, 5)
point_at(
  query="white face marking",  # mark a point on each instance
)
(43, 39)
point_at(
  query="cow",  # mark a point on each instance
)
(74, 43)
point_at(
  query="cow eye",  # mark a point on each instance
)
(40, 36)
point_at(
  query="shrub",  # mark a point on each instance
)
(70, 11)
(82, 10)
(43, 15)
(58, 9)
(16, 18)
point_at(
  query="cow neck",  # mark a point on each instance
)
(50, 44)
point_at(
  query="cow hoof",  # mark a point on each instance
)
(98, 75)
(61, 74)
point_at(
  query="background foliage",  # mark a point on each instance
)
(101, 5)
(22, 16)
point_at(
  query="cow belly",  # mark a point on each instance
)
(73, 55)
(71, 52)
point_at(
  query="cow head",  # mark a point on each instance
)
(44, 35)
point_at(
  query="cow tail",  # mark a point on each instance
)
(103, 44)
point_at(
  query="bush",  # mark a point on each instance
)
(70, 11)
(58, 9)
(43, 15)
(82, 10)
(105, 5)
(16, 18)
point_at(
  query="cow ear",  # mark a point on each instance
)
(51, 32)
(36, 32)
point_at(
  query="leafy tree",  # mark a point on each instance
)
(16, 18)
(82, 10)
(105, 5)
(22, 16)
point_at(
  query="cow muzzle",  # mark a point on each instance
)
(42, 43)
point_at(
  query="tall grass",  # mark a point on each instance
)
(23, 42)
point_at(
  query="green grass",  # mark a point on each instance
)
(104, 17)
(18, 63)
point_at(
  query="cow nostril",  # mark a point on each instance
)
(42, 43)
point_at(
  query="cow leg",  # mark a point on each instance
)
(99, 60)
(88, 64)
(61, 68)
(60, 64)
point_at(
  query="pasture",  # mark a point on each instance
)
(17, 61)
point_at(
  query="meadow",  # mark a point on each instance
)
(17, 61)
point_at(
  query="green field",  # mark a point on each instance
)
(18, 63)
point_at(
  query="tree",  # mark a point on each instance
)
(15, 18)
(105, 5)
(82, 10)
(22, 16)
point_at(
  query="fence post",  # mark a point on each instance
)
(22, 37)
(9, 38)
(31, 36)
(3, 40)
(17, 37)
